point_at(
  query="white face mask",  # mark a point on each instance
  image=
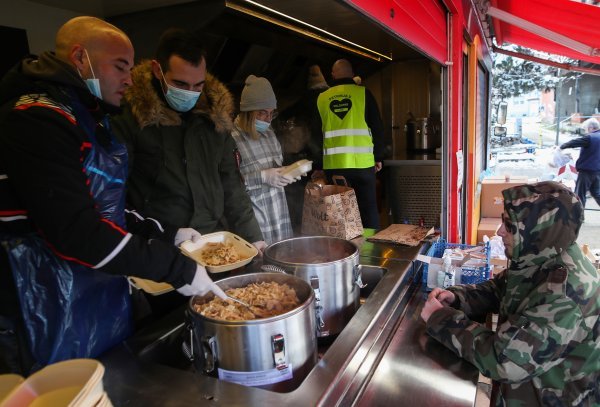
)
(180, 100)
(94, 83)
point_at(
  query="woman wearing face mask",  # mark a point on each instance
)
(261, 159)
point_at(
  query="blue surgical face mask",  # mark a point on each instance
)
(180, 100)
(93, 84)
(261, 126)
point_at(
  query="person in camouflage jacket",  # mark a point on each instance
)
(546, 348)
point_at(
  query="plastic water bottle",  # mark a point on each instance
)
(449, 274)
(441, 276)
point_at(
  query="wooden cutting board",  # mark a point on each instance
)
(409, 235)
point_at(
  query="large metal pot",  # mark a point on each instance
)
(330, 265)
(274, 353)
(422, 134)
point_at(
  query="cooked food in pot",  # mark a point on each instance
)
(218, 254)
(266, 299)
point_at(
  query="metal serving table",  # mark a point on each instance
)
(382, 357)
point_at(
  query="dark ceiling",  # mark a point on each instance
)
(239, 44)
(336, 16)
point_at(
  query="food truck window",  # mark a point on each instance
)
(482, 117)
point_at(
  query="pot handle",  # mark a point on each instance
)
(206, 344)
(314, 283)
(271, 268)
(208, 347)
(278, 347)
(188, 349)
(358, 276)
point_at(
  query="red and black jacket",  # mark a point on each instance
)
(43, 187)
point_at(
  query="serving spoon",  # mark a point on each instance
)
(245, 304)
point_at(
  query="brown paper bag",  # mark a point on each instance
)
(331, 210)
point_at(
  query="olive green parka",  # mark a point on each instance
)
(183, 169)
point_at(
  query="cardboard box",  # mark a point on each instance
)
(498, 265)
(487, 226)
(492, 202)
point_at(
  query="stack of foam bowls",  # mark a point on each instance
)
(72, 383)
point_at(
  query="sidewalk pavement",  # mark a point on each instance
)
(540, 169)
(590, 230)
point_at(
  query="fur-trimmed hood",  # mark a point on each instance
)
(149, 108)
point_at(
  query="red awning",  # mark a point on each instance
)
(422, 24)
(562, 27)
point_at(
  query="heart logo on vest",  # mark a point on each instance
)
(340, 107)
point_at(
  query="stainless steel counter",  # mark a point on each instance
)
(416, 370)
(382, 357)
(385, 251)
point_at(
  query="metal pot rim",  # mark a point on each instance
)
(299, 238)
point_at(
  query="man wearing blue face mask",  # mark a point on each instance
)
(92, 83)
(177, 123)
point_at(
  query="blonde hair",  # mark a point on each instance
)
(245, 121)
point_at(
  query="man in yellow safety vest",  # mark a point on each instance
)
(352, 137)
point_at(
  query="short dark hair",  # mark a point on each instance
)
(185, 44)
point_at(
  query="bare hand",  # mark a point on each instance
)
(445, 297)
(261, 245)
(378, 166)
(431, 305)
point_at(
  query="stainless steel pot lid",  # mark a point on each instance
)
(310, 250)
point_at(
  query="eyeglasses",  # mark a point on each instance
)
(266, 115)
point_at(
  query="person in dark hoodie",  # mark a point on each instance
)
(66, 245)
(546, 348)
(177, 123)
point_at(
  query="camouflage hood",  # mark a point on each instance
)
(149, 108)
(544, 220)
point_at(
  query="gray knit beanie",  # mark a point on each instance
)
(315, 78)
(257, 95)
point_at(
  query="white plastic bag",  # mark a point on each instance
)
(559, 158)
(496, 246)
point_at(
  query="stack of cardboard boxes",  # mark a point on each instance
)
(492, 206)
(492, 202)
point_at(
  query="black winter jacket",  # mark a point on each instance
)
(43, 186)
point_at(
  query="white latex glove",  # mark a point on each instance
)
(261, 245)
(275, 178)
(184, 234)
(201, 285)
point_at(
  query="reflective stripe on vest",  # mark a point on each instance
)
(347, 141)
